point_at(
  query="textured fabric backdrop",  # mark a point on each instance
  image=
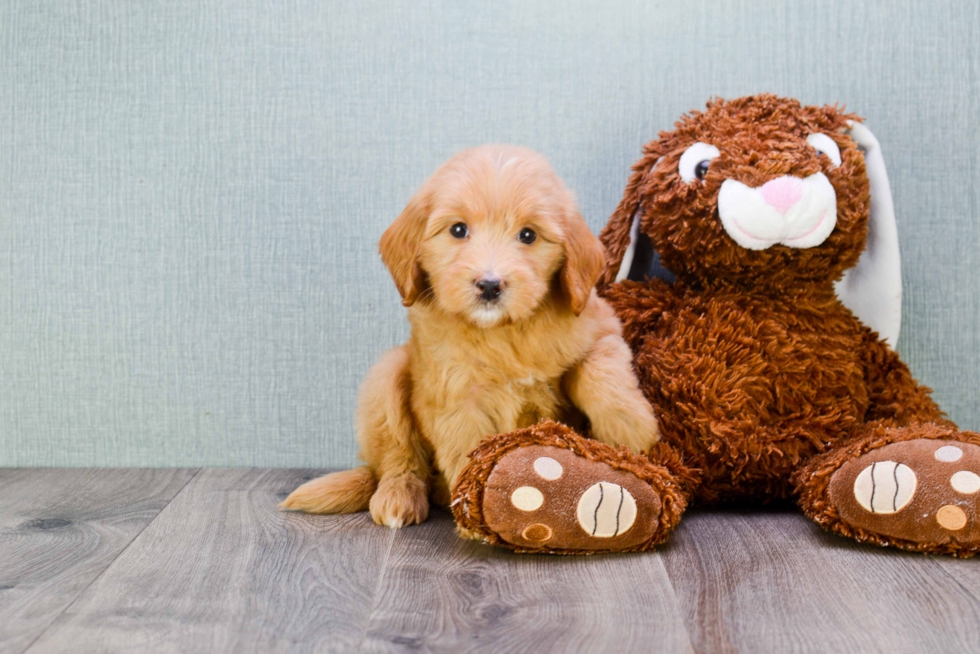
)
(191, 193)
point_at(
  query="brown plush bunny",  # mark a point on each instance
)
(765, 384)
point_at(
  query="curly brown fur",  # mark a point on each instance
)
(666, 473)
(753, 365)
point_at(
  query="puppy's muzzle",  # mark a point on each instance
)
(490, 287)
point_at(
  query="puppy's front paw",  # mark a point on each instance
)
(637, 430)
(400, 501)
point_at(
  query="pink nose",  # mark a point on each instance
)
(782, 192)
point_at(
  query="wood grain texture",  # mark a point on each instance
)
(90, 563)
(222, 570)
(772, 581)
(60, 529)
(440, 593)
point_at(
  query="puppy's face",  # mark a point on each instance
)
(488, 235)
(491, 248)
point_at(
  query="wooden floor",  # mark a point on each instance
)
(201, 561)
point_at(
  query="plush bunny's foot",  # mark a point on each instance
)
(546, 489)
(915, 493)
(546, 496)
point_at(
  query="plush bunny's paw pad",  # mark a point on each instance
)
(924, 490)
(549, 497)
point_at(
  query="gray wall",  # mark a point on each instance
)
(191, 193)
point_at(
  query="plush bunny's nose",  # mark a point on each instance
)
(782, 193)
(797, 213)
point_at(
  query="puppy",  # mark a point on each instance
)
(497, 269)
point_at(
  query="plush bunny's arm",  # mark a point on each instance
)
(639, 305)
(896, 397)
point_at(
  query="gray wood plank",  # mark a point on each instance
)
(222, 570)
(772, 581)
(60, 529)
(440, 593)
(963, 574)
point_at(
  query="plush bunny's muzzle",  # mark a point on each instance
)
(791, 211)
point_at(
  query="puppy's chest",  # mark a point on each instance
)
(509, 384)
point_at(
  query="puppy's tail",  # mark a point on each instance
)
(348, 491)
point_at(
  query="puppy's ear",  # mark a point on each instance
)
(400, 245)
(584, 259)
(619, 235)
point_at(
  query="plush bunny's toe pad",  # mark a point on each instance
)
(547, 489)
(924, 490)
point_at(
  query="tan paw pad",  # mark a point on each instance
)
(537, 533)
(951, 517)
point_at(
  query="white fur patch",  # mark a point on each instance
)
(487, 316)
(801, 215)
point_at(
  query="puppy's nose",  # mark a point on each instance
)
(782, 193)
(489, 287)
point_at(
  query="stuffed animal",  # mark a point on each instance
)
(738, 241)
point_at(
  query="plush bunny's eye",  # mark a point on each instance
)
(823, 144)
(696, 160)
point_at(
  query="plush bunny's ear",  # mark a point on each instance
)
(631, 253)
(618, 237)
(626, 263)
(873, 288)
(641, 261)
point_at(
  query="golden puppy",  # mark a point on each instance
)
(497, 267)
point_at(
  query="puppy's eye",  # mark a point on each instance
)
(527, 236)
(695, 161)
(459, 230)
(823, 144)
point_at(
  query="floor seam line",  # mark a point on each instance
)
(946, 573)
(377, 589)
(677, 603)
(111, 563)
